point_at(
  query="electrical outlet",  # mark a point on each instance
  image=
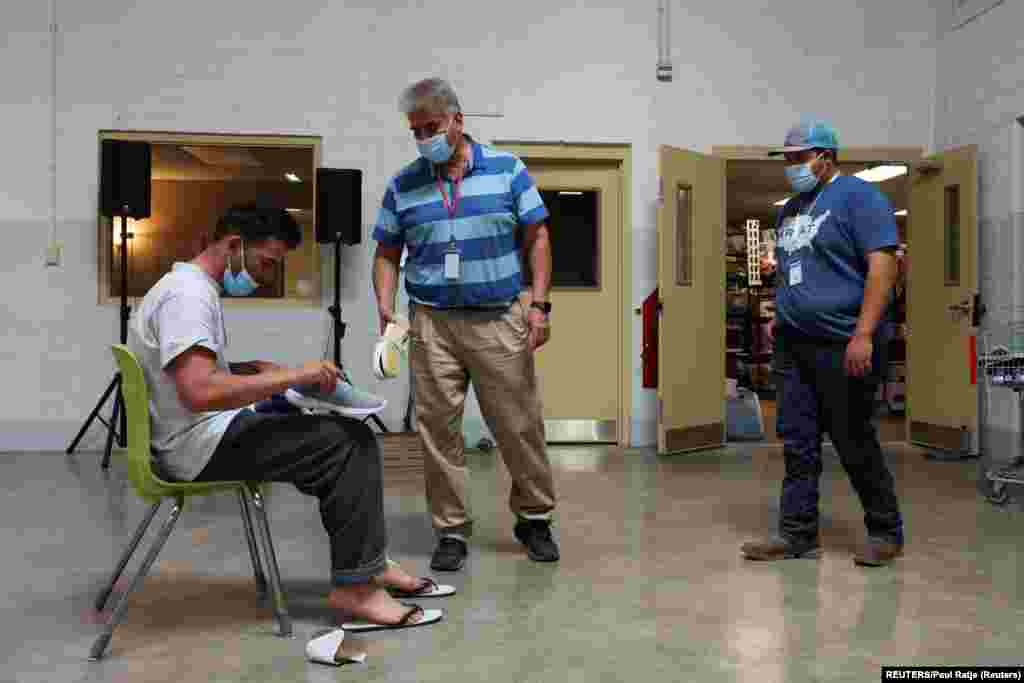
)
(53, 253)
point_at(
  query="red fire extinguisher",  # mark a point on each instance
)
(649, 356)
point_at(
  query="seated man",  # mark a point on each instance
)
(204, 426)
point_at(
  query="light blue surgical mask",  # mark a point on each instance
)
(241, 284)
(437, 149)
(801, 177)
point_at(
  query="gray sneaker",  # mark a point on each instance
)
(345, 400)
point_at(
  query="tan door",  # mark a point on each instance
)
(579, 369)
(691, 285)
(942, 281)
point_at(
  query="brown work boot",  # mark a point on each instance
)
(877, 553)
(777, 549)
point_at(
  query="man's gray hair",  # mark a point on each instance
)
(433, 95)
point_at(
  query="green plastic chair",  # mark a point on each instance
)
(155, 490)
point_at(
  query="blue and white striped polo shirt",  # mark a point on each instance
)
(497, 196)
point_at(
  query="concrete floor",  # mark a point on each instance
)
(651, 586)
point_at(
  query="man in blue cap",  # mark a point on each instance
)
(836, 268)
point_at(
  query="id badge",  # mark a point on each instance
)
(796, 274)
(452, 263)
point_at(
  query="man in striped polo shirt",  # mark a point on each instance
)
(468, 214)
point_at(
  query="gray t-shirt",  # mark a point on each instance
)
(182, 310)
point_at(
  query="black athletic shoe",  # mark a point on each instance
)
(535, 534)
(449, 555)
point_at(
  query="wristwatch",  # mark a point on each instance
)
(542, 306)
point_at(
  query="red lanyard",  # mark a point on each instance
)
(453, 205)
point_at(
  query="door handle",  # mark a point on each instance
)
(963, 308)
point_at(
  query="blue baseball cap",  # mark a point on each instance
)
(808, 135)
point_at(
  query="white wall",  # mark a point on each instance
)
(565, 69)
(979, 96)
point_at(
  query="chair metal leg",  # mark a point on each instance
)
(254, 553)
(100, 646)
(101, 599)
(280, 610)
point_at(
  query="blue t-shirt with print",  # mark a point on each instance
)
(823, 242)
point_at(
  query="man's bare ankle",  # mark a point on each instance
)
(351, 592)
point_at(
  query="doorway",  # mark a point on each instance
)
(943, 305)
(583, 370)
(756, 190)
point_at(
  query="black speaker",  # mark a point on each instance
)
(339, 205)
(124, 178)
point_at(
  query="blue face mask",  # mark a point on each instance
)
(437, 149)
(801, 177)
(241, 284)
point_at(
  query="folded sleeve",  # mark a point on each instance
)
(526, 197)
(183, 321)
(388, 230)
(872, 219)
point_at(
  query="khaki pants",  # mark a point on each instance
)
(448, 350)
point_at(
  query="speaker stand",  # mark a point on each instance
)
(119, 415)
(338, 325)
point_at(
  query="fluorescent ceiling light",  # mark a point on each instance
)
(293, 178)
(570, 193)
(782, 202)
(294, 210)
(901, 212)
(881, 173)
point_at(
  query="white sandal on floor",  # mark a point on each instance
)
(324, 650)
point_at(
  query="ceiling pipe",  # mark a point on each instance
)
(52, 165)
(664, 67)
